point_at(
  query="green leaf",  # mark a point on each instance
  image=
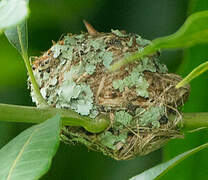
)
(193, 31)
(161, 169)
(18, 37)
(192, 57)
(196, 72)
(29, 155)
(12, 12)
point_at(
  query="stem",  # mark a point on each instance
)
(150, 49)
(195, 120)
(40, 99)
(14, 113)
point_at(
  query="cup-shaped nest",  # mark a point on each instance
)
(138, 98)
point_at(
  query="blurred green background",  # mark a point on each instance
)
(49, 19)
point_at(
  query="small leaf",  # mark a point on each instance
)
(196, 72)
(18, 37)
(29, 155)
(161, 169)
(193, 31)
(12, 12)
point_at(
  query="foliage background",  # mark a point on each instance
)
(50, 19)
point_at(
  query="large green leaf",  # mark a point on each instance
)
(12, 12)
(161, 169)
(193, 31)
(29, 155)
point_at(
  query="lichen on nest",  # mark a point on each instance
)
(138, 98)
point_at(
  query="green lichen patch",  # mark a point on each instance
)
(57, 49)
(123, 117)
(118, 84)
(108, 139)
(69, 90)
(141, 87)
(141, 41)
(118, 33)
(122, 137)
(112, 141)
(107, 59)
(98, 44)
(94, 112)
(119, 135)
(130, 43)
(84, 102)
(90, 68)
(70, 40)
(135, 79)
(67, 53)
(76, 97)
(151, 116)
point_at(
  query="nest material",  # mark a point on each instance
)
(138, 98)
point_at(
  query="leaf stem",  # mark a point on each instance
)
(148, 50)
(40, 99)
(15, 113)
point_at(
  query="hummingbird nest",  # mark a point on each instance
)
(138, 98)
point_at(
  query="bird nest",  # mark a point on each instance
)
(139, 98)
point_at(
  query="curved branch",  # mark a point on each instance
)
(15, 113)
